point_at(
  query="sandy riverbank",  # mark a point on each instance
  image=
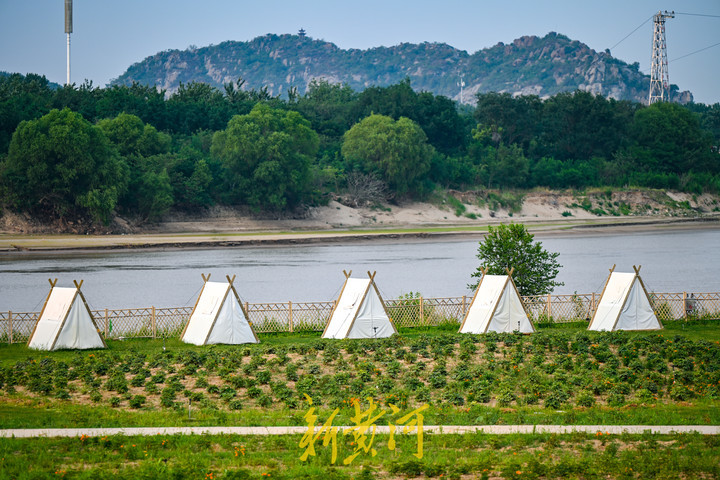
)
(544, 213)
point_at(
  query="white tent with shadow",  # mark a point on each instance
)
(624, 304)
(496, 307)
(218, 316)
(65, 321)
(359, 311)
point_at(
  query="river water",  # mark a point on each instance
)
(672, 261)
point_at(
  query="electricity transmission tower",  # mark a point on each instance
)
(659, 79)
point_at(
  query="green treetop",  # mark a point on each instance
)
(512, 246)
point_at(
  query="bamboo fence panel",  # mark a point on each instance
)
(420, 312)
(16, 327)
(560, 308)
(142, 322)
(289, 317)
(153, 322)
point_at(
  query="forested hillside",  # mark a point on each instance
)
(529, 65)
(85, 154)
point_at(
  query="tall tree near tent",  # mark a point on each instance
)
(512, 246)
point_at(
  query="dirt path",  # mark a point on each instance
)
(381, 429)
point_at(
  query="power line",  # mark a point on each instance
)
(696, 51)
(676, 13)
(626, 36)
(697, 15)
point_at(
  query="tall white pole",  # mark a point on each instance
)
(68, 60)
(68, 31)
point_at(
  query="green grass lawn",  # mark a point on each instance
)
(466, 456)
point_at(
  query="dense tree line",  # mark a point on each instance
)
(83, 151)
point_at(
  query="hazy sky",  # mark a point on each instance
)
(109, 36)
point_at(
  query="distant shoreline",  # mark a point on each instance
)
(17, 245)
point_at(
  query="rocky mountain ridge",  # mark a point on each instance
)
(529, 65)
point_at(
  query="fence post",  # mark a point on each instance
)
(106, 323)
(592, 305)
(464, 305)
(10, 327)
(290, 316)
(422, 312)
(684, 306)
(152, 322)
(549, 307)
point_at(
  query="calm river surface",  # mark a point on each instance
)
(672, 261)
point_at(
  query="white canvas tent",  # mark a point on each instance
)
(218, 316)
(359, 311)
(624, 304)
(496, 307)
(65, 321)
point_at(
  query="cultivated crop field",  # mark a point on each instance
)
(561, 375)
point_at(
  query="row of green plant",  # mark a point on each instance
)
(551, 370)
(482, 456)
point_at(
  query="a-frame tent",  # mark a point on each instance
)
(359, 311)
(65, 321)
(218, 316)
(624, 304)
(496, 307)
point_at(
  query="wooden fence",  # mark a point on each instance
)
(156, 322)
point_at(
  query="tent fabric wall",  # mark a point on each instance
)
(637, 313)
(228, 329)
(510, 315)
(496, 307)
(201, 320)
(56, 308)
(359, 313)
(65, 323)
(624, 305)
(483, 304)
(347, 306)
(371, 320)
(79, 330)
(218, 318)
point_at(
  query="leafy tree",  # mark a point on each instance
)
(580, 125)
(328, 107)
(82, 99)
(21, 98)
(670, 139)
(60, 165)
(149, 193)
(498, 165)
(267, 156)
(191, 172)
(709, 119)
(512, 246)
(438, 117)
(397, 151)
(518, 118)
(197, 106)
(133, 137)
(147, 102)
